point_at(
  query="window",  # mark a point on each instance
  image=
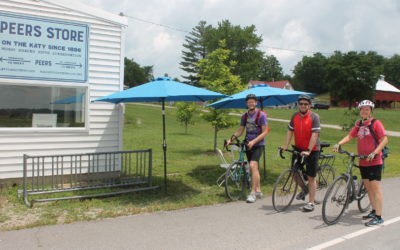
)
(40, 106)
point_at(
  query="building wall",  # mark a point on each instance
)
(105, 73)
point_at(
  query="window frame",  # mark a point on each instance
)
(85, 86)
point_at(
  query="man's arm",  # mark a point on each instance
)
(237, 134)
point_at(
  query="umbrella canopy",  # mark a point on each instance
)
(266, 95)
(160, 90)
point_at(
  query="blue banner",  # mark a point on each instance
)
(43, 49)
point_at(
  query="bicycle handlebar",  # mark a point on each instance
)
(341, 151)
(295, 152)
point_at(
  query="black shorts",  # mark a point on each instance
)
(311, 163)
(372, 173)
(254, 154)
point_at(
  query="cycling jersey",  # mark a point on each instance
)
(303, 126)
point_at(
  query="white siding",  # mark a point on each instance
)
(105, 121)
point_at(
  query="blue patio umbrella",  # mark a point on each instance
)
(266, 95)
(161, 90)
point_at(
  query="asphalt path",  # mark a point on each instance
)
(235, 225)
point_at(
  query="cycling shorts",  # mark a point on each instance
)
(371, 173)
(254, 154)
(311, 163)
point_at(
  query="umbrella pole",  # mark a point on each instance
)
(265, 171)
(164, 145)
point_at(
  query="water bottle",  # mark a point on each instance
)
(355, 184)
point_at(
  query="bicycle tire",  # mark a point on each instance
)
(325, 176)
(235, 183)
(335, 200)
(363, 202)
(284, 191)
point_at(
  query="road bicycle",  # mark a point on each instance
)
(344, 190)
(286, 185)
(237, 176)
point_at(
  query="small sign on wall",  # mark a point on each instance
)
(44, 120)
(43, 49)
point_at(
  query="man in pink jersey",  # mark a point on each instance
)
(370, 143)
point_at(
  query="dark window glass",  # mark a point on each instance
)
(38, 106)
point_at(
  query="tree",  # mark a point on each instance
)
(352, 76)
(310, 74)
(195, 50)
(270, 69)
(242, 42)
(135, 75)
(391, 70)
(215, 74)
(185, 113)
(219, 119)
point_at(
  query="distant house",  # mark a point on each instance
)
(284, 84)
(386, 94)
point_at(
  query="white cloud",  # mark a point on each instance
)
(317, 26)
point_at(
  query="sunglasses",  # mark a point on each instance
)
(304, 103)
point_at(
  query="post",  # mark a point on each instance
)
(164, 145)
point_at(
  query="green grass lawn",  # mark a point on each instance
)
(193, 169)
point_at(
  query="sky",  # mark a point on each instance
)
(290, 29)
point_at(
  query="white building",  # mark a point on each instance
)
(56, 56)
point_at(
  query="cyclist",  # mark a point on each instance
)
(370, 168)
(255, 122)
(305, 126)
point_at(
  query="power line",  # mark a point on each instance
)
(185, 31)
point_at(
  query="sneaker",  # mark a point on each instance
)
(374, 221)
(371, 215)
(259, 195)
(308, 207)
(301, 195)
(251, 198)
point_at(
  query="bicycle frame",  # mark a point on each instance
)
(295, 167)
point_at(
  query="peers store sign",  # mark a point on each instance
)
(43, 49)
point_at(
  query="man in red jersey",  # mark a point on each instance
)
(305, 126)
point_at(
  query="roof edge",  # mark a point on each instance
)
(86, 9)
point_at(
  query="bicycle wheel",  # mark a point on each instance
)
(335, 200)
(284, 191)
(325, 177)
(363, 199)
(235, 183)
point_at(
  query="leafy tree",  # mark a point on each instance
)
(135, 75)
(391, 70)
(270, 69)
(352, 76)
(219, 119)
(241, 41)
(185, 113)
(215, 74)
(310, 74)
(195, 50)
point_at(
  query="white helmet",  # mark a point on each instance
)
(366, 103)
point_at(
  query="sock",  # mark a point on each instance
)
(378, 217)
(373, 211)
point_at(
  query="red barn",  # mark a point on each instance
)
(386, 94)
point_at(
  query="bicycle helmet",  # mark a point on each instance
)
(366, 103)
(304, 97)
(251, 96)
